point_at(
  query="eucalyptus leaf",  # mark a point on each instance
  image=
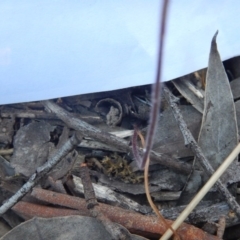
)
(168, 138)
(59, 228)
(31, 147)
(219, 133)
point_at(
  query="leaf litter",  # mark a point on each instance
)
(34, 133)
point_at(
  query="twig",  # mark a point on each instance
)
(146, 185)
(6, 151)
(135, 148)
(214, 179)
(121, 144)
(190, 141)
(40, 114)
(106, 194)
(155, 91)
(89, 193)
(116, 231)
(56, 185)
(221, 227)
(40, 172)
(136, 223)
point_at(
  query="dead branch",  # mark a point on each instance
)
(106, 194)
(115, 230)
(39, 114)
(107, 138)
(221, 226)
(69, 145)
(6, 151)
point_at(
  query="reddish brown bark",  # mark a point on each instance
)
(147, 226)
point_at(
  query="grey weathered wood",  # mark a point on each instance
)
(194, 97)
(206, 212)
(169, 181)
(88, 130)
(41, 171)
(105, 194)
(166, 196)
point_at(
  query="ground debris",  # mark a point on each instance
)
(33, 134)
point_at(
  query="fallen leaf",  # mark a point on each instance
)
(168, 138)
(219, 133)
(72, 227)
(31, 147)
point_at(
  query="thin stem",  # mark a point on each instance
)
(156, 89)
(146, 185)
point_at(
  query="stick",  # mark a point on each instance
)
(203, 192)
(190, 141)
(115, 230)
(107, 138)
(41, 172)
(136, 223)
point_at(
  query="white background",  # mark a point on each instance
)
(56, 48)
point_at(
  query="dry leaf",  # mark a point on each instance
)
(168, 138)
(219, 133)
(31, 147)
(72, 227)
